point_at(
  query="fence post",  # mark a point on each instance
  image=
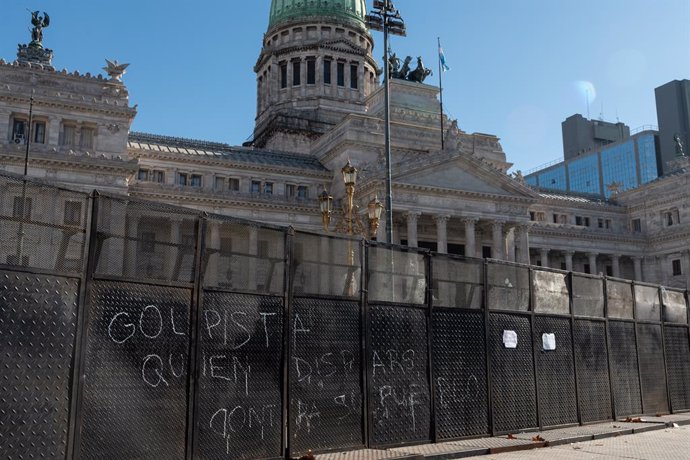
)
(487, 345)
(569, 284)
(363, 299)
(430, 338)
(288, 280)
(93, 242)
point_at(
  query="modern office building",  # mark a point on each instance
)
(673, 115)
(320, 104)
(582, 136)
(604, 170)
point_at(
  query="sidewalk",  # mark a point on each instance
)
(657, 438)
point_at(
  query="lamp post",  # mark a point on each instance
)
(386, 18)
(23, 208)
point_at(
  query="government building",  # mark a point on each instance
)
(320, 103)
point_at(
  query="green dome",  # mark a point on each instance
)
(347, 11)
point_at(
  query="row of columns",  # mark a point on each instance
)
(592, 261)
(501, 231)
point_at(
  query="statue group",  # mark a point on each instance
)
(402, 70)
(39, 24)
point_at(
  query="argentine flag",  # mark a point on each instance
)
(442, 57)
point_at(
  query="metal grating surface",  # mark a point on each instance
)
(591, 359)
(678, 364)
(37, 327)
(325, 376)
(652, 370)
(399, 387)
(460, 373)
(555, 373)
(624, 373)
(135, 387)
(239, 390)
(512, 375)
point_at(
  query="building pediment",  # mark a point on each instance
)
(449, 172)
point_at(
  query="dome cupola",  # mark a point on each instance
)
(350, 12)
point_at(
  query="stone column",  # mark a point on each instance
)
(592, 256)
(498, 242)
(130, 262)
(479, 245)
(569, 260)
(522, 235)
(53, 131)
(615, 265)
(470, 237)
(544, 257)
(253, 250)
(442, 233)
(637, 262)
(509, 242)
(211, 275)
(173, 251)
(381, 232)
(412, 218)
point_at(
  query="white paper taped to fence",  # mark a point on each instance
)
(548, 342)
(510, 339)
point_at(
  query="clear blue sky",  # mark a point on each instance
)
(515, 63)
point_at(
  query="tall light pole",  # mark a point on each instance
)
(22, 207)
(386, 18)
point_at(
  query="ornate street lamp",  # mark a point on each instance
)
(350, 222)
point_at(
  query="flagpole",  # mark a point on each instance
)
(440, 87)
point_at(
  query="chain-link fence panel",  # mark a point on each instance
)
(678, 365)
(591, 359)
(145, 240)
(244, 257)
(588, 296)
(326, 266)
(457, 283)
(555, 372)
(239, 402)
(396, 276)
(650, 348)
(42, 226)
(37, 331)
(514, 402)
(137, 359)
(508, 287)
(459, 360)
(325, 376)
(399, 399)
(551, 292)
(625, 378)
(675, 310)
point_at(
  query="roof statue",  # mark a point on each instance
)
(680, 151)
(404, 72)
(420, 73)
(39, 24)
(115, 70)
(34, 53)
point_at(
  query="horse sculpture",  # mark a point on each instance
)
(420, 73)
(404, 70)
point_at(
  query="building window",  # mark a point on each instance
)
(283, 75)
(147, 243)
(327, 71)
(72, 213)
(143, 174)
(268, 188)
(196, 180)
(39, 132)
(671, 217)
(182, 179)
(262, 249)
(296, 75)
(69, 133)
(87, 136)
(158, 176)
(219, 183)
(579, 220)
(560, 219)
(21, 210)
(354, 70)
(290, 190)
(18, 131)
(607, 224)
(340, 73)
(302, 192)
(311, 72)
(233, 184)
(600, 223)
(636, 225)
(677, 271)
(255, 187)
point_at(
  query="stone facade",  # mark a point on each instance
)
(456, 200)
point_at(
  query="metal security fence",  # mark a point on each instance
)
(131, 329)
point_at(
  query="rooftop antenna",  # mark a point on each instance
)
(618, 120)
(587, 96)
(601, 114)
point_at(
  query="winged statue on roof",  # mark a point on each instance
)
(39, 22)
(115, 70)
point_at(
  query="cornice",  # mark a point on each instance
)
(586, 234)
(52, 103)
(71, 162)
(465, 193)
